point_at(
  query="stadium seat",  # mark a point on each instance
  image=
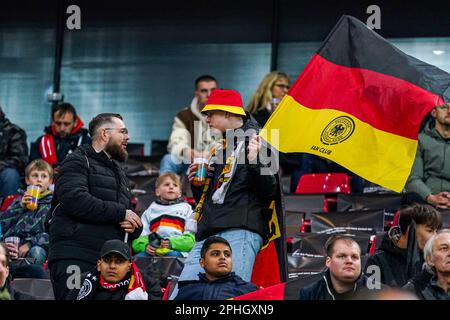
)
(40, 289)
(7, 201)
(330, 184)
(323, 183)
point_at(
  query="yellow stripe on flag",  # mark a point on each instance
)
(378, 156)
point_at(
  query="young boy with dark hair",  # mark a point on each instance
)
(116, 277)
(218, 282)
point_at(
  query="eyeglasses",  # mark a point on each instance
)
(123, 131)
(282, 86)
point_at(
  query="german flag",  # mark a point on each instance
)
(270, 267)
(359, 102)
(283, 291)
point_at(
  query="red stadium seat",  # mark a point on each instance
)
(373, 245)
(7, 201)
(323, 183)
(330, 184)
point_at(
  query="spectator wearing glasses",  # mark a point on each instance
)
(271, 90)
(430, 175)
(268, 95)
(190, 137)
(234, 200)
(62, 137)
(91, 202)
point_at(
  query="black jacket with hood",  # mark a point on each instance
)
(247, 200)
(392, 262)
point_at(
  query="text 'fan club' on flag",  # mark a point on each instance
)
(359, 102)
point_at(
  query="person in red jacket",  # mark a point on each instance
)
(62, 137)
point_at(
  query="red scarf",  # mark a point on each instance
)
(134, 282)
(47, 143)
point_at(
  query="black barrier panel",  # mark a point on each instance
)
(313, 243)
(306, 203)
(388, 202)
(40, 289)
(293, 221)
(293, 287)
(445, 214)
(305, 265)
(161, 268)
(369, 221)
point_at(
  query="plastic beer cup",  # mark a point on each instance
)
(200, 174)
(15, 241)
(34, 192)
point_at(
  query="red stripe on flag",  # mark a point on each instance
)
(386, 103)
(266, 269)
(275, 292)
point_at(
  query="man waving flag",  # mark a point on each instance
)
(359, 102)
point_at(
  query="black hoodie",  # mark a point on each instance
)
(392, 262)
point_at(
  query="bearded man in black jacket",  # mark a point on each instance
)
(91, 204)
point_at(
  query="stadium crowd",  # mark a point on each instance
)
(67, 208)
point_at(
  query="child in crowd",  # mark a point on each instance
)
(28, 224)
(168, 223)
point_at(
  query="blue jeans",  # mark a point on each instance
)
(169, 163)
(245, 245)
(38, 253)
(9, 182)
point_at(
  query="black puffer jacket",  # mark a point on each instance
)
(91, 198)
(247, 200)
(13, 145)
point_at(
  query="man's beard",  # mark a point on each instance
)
(116, 151)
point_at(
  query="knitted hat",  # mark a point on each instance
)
(225, 100)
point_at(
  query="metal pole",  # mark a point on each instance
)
(275, 38)
(59, 42)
